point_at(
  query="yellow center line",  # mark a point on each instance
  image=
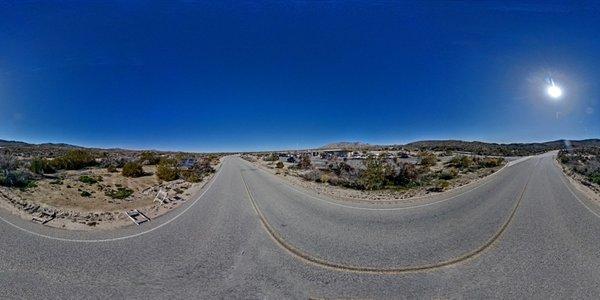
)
(308, 258)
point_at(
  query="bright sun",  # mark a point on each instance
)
(554, 91)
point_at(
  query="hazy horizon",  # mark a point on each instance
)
(291, 148)
(231, 76)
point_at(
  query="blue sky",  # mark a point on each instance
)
(227, 76)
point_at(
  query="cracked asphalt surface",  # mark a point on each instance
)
(217, 246)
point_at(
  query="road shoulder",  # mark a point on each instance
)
(321, 193)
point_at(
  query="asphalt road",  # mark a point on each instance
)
(522, 233)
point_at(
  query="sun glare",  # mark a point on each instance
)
(554, 91)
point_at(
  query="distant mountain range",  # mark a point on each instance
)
(558, 144)
(464, 144)
(5, 143)
(513, 149)
(63, 148)
(517, 149)
(438, 145)
(346, 145)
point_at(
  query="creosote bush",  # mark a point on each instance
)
(119, 193)
(449, 173)
(89, 179)
(74, 160)
(464, 162)
(198, 171)
(41, 166)
(149, 158)
(190, 176)
(167, 170)
(8, 163)
(428, 159)
(440, 185)
(380, 172)
(20, 178)
(203, 166)
(461, 162)
(405, 175)
(584, 161)
(132, 169)
(312, 175)
(595, 177)
(271, 157)
(377, 173)
(304, 162)
(12, 174)
(489, 162)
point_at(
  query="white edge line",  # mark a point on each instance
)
(399, 208)
(122, 237)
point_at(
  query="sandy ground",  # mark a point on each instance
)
(62, 196)
(388, 195)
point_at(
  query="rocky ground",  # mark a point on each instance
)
(65, 201)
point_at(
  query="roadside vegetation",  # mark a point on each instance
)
(90, 179)
(494, 149)
(23, 174)
(379, 173)
(198, 171)
(14, 173)
(74, 160)
(167, 170)
(78, 183)
(402, 170)
(133, 169)
(119, 193)
(585, 162)
(271, 157)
